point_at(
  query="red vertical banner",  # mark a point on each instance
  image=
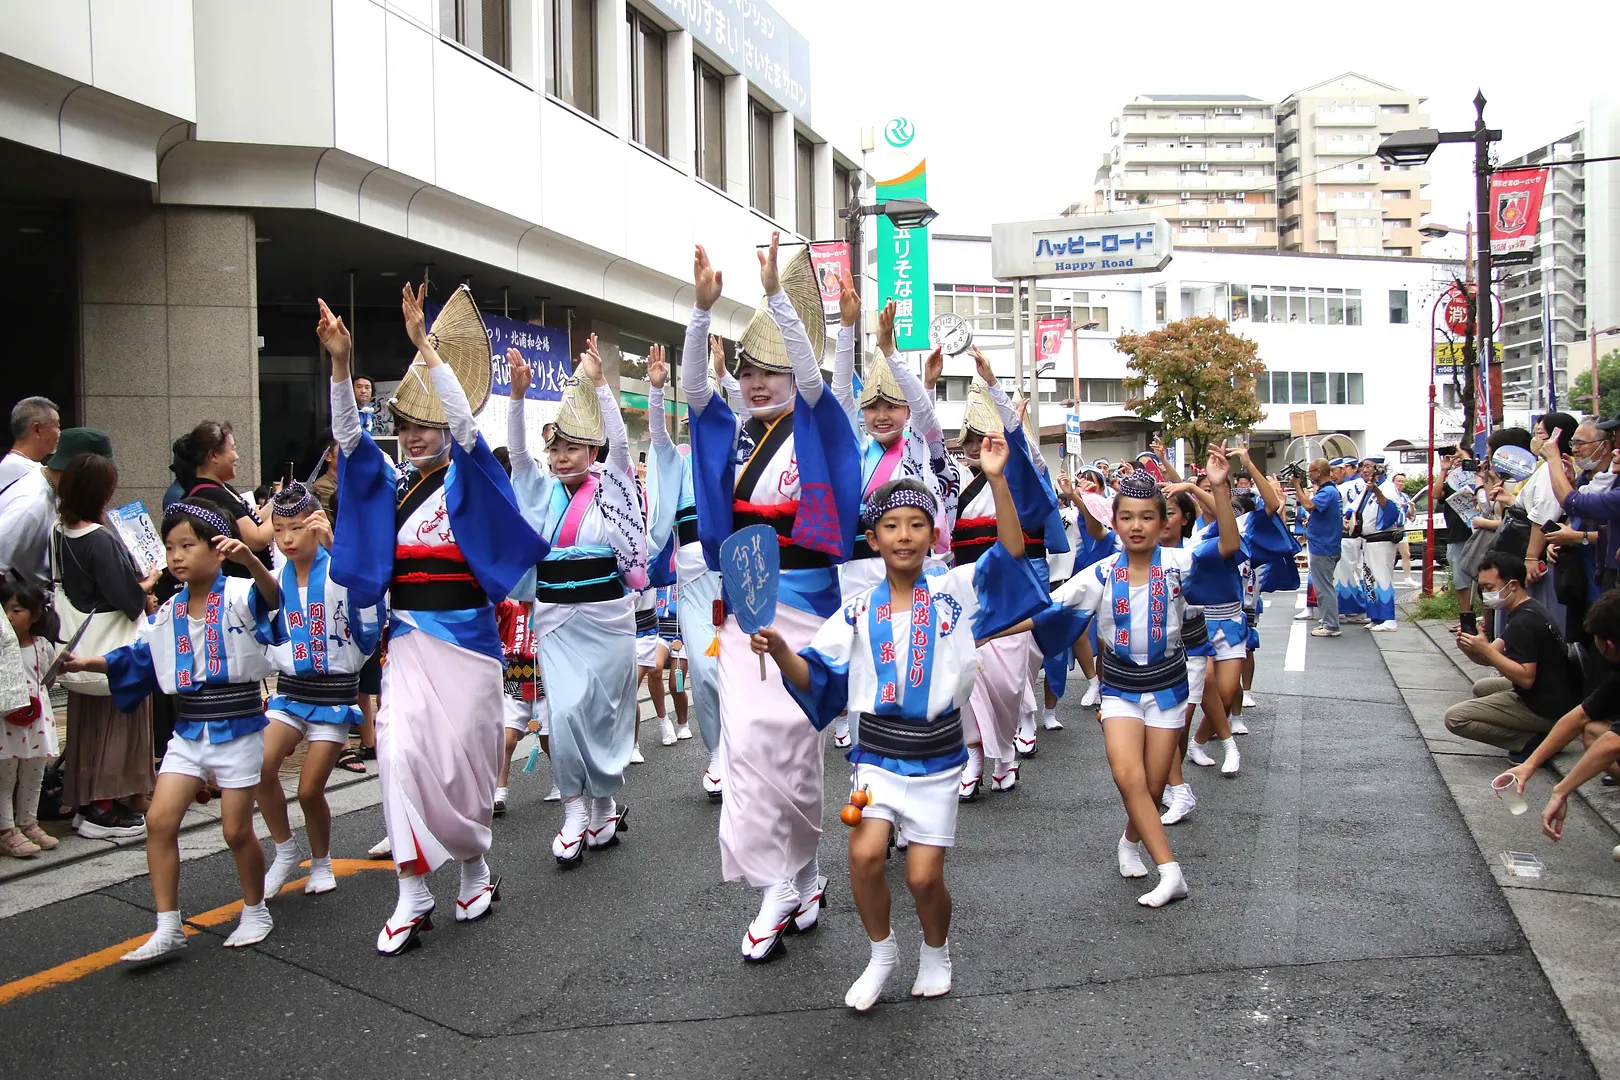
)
(1516, 209)
(830, 262)
(1049, 338)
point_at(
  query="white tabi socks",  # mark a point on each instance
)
(869, 987)
(1178, 803)
(281, 867)
(321, 879)
(714, 777)
(1130, 859)
(933, 971)
(1230, 766)
(253, 927)
(1172, 886)
(1050, 721)
(412, 915)
(777, 906)
(1093, 693)
(972, 774)
(1197, 754)
(568, 846)
(812, 891)
(841, 732)
(606, 823)
(477, 892)
(167, 938)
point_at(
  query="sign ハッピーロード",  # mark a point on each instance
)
(1072, 247)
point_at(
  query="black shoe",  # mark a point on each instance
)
(114, 823)
(1525, 751)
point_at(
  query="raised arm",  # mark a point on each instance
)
(517, 434)
(1262, 483)
(694, 373)
(924, 421)
(1163, 455)
(657, 376)
(618, 440)
(843, 380)
(457, 411)
(806, 364)
(1219, 474)
(1009, 415)
(339, 346)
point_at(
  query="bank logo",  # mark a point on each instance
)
(899, 132)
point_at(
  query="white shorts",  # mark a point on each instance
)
(1147, 710)
(338, 733)
(1197, 672)
(647, 650)
(923, 806)
(515, 715)
(234, 764)
(1225, 650)
(542, 715)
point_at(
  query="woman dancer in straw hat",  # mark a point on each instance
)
(585, 504)
(445, 548)
(792, 465)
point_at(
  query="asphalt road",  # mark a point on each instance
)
(1341, 924)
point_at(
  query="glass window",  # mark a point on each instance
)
(1397, 306)
(804, 188)
(1279, 304)
(1352, 307)
(1337, 381)
(761, 160)
(1158, 305)
(1354, 379)
(480, 25)
(1301, 387)
(1262, 388)
(942, 304)
(1257, 304)
(964, 305)
(571, 76)
(841, 194)
(1240, 302)
(1099, 315)
(1335, 306)
(1319, 388)
(1318, 307)
(1003, 305)
(648, 117)
(710, 90)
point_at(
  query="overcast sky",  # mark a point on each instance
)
(1012, 98)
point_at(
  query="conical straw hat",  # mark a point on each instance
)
(762, 343)
(579, 415)
(981, 414)
(459, 337)
(880, 383)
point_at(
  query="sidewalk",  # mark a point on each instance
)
(1572, 911)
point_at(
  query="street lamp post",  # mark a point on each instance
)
(905, 213)
(1414, 148)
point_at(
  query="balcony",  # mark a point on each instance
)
(1346, 116)
(1352, 146)
(1243, 153)
(1327, 232)
(1164, 155)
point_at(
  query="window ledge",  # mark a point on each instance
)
(467, 50)
(720, 191)
(582, 114)
(656, 156)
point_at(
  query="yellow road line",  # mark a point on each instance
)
(104, 958)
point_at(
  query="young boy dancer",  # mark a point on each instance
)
(792, 465)
(445, 545)
(206, 647)
(902, 654)
(327, 640)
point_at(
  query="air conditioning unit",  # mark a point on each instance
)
(1186, 195)
(1223, 223)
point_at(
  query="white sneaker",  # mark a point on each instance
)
(1180, 803)
(683, 731)
(1239, 727)
(635, 755)
(1197, 754)
(1093, 693)
(668, 728)
(1249, 702)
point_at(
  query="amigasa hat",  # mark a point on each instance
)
(761, 343)
(579, 414)
(981, 414)
(880, 383)
(459, 337)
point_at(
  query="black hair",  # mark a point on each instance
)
(1158, 498)
(191, 450)
(1603, 617)
(1189, 512)
(1244, 502)
(504, 456)
(263, 492)
(1508, 436)
(31, 597)
(1564, 424)
(179, 514)
(1508, 567)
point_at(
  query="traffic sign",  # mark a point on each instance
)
(1071, 435)
(1459, 309)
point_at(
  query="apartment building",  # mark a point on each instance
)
(1207, 162)
(1334, 195)
(180, 181)
(1544, 301)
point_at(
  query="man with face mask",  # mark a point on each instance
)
(1533, 684)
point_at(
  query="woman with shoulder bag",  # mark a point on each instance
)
(205, 464)
(108, 764)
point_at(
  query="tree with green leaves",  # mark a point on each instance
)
(1196, 377)
(1580, 391)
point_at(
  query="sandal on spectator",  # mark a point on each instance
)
(350, 761)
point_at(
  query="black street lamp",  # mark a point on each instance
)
(904, 213)
(1412, 149)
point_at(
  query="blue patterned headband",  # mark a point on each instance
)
(292, 500)
(1137, 485)
(201, 513)
(900, 496)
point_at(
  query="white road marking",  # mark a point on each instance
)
(1295, 660)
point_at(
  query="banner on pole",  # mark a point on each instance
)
(830, 261)
(1516, 211)
(1448, 356)
(1049, 338)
